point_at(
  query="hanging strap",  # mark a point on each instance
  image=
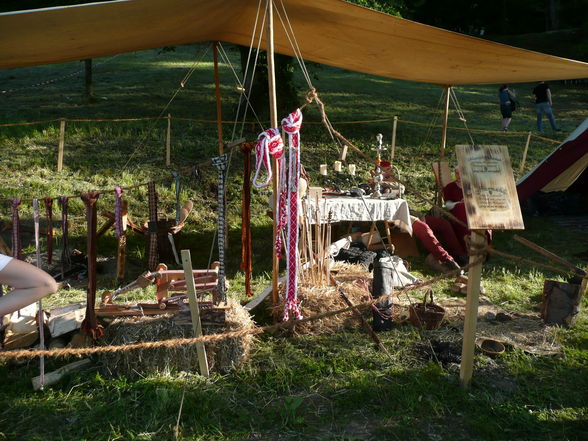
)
(118, 209)
(291, 125)
(90, 325)
(16, 246)
(246, 261)
(220, 162)
(49, 233)
(152, 226)
(40, 317)
(65, 257)
(178, 183)
(269, 143)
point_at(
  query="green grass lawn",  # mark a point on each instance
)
(333, 387)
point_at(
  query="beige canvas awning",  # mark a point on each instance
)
(331, 32)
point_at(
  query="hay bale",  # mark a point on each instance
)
(313, 299)
(221, 355)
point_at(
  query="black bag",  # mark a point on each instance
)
(383, 284)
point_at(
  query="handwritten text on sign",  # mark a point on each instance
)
(489, 189)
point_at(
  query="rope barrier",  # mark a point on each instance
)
(23, 354)
(211, 121)
(182, 171)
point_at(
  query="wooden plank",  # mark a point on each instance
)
(53, 377)
(489, 189)
(194, 311)
(471, 312)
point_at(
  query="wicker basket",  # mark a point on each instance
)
(426, 315)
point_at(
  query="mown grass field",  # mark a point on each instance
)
(335, 387)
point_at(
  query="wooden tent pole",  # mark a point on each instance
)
(219, 109)
(478, 242)
(273, 110)
(445, 119)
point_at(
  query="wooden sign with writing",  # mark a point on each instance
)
(489, 189)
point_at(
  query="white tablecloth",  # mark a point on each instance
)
(344, 208)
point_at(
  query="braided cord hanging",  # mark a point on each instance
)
(220, 162)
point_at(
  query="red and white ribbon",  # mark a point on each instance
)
(269, 143)
(291, 125)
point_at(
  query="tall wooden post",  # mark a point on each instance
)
(445, 119)
(393, 144)
(478, 242)
(219, 108)
(522, 167)
(273, 108)
(61, 144)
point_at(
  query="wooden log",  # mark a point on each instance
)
(195, 312)
(57, 375)
(561, 302)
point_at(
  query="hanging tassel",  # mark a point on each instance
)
(40, 317)
(90, 325)
(220, 162)
(178, 183)
(246, 260)
(49, 234)
(152, 226)
(118, 209)
(65, 257)
(292, 125)
(16, 247)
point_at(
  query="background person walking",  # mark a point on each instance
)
(543, 106)
(507, 105)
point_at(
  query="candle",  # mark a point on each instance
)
(337, 166)
(324, 169)
(352, 169)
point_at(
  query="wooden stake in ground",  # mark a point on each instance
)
(393, 144)
(478, 238)
(194, 311)
(61, 144)
(522, 167)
